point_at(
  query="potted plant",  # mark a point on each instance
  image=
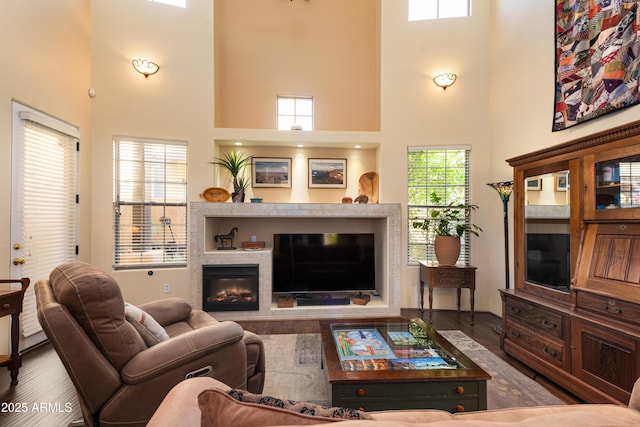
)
(448, 224)
(235, 162)
(239, 193)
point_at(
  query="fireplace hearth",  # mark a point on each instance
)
(230, 287)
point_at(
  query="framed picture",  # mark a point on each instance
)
(327, 173)
(271, 172)
(534, 184)
(562, 182)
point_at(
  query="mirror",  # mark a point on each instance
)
(547, 215)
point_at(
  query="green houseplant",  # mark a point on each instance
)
(448, 224)
(235, 162)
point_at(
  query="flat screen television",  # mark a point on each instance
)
(548, 260)
(323, 263)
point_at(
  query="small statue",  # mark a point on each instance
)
(226, 240)
(362, 198)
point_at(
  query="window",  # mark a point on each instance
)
(444, 171)
(150, 203)
(420, 10)
(179, 3)
(295, 113)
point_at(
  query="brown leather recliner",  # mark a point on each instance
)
(118, 378)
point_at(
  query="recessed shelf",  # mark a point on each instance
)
(264, 219)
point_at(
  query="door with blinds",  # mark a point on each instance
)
(43, 203)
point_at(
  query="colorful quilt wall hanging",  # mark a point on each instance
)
(597, 59)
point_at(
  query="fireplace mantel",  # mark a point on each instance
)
(262, 220)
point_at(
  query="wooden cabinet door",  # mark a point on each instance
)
(605, 359)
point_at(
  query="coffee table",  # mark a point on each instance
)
(381, 364)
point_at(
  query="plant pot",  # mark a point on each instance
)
(447, 249)
(237, 197)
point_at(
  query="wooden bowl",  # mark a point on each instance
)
(215, 194)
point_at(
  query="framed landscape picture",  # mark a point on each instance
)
(562, 182)
(271, 172)
(534, 184)
(327, 173)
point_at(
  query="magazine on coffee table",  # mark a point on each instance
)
(367, 350)
(354, 344)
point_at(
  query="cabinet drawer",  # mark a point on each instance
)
(546, 348)
(453, 277)
(536, 317)
(611, 308)
(398, 403)
(452, 396)
(10, 305)
(417, 389)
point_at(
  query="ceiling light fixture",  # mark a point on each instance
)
(445, 80)
(145, 67)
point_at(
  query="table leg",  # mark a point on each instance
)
(16, 358)
(421, 297)
(472, 298)
(458, 289)
(430, 304)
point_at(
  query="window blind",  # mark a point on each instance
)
(444, 171)
(49, 208)
(150, 203)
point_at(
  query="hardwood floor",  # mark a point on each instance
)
(45, 395)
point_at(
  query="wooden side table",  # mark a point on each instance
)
(11, 304)
(446, 276)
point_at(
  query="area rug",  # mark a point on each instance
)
(294, 371)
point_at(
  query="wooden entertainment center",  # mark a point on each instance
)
(581, 329)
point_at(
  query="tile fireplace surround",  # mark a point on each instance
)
(262, 220)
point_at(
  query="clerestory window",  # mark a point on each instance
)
(295, 112)
(178, 3)
(420, 10)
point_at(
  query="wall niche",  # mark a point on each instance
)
(329, 50)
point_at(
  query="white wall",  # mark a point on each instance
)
(522, 83)
(417, 112)
(46, 65)
(176, 104)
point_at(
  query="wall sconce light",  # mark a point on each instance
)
(445, 80)
(145, 67)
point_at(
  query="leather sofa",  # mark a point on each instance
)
(123, 359)
(206, 402)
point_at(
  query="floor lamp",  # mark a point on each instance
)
(504, 189)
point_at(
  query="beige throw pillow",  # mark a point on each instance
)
(150, 330)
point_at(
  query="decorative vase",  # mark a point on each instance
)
(447, 249)
(237, 197)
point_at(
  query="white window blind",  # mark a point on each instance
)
(444, 171)
(49, 207)
(630, 182)
(150, 203)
